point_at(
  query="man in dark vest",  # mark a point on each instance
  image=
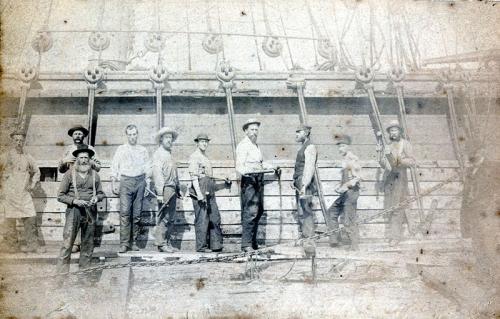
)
(304, 183)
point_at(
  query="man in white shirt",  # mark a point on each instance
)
(249, 166)
(131, 168)
(166, 182)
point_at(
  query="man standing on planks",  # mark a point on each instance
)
(130, 173)
(207, 218)
(166, 183)
(77, 133)
(80, 190)
(345, 204)
(19, 179)
(304, 184)
(249, 165)
(396, 158)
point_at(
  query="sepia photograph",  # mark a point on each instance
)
(249, 159)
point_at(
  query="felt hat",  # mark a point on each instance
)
(81, 148)
(201, 136)
(250, 121)
(303, 127)
(394, 123)
(166, 130)
(78, 128)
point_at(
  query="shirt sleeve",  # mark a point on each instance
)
(147, 163)
(35, 171)
(99, 193)
(64, 187)
(407, 158)
(241, 156)
(157, 173)
(310, 154)
(115, 165)
(355, 168)
(193, 166)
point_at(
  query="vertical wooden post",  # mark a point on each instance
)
(225, 74)
(396, 76)
(445, 79)
(298, 84)
(93, 75)
(26, 75)
(158, 75)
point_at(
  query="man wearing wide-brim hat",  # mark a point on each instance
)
(348, 190)
(80, 190)
(78, 134)
(249, 165)
(166, 181)
(19, 179)
(207, 218)
(395, 159)
(304, 184)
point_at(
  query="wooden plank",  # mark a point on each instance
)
(325, 173)
(272, 232)
(49, 189)
(233, 203)
(234, 217)
(111, 129)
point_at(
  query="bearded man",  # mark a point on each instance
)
(80, 190)
(397, 157)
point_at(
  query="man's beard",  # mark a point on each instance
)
(394, 137)
(82, 168)
(253, 138)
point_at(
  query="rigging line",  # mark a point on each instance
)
(7, 3)
(157, 3)
(220, 31)
(188, 35)
(314, 28)
(26, 40)
(286, 38)
(250, 4)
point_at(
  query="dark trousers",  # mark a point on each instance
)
(166, 218)
(252, 208)
(30, 232)
(207, 224)
(77, 219)
(345, 206)
(306, 215)
(131, 194)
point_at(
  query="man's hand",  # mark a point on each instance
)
(69, 160)
(32, 186)
(159, 198)
(115, 187)
(80, 202)
(227, 182)
(93, 201)
(202, 199)
(302, 190)
(147, 188)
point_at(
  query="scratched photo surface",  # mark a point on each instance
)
(249, 159)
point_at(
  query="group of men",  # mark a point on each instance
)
(135, 176)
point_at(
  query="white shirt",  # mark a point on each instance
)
(248, 157)
(130, 160)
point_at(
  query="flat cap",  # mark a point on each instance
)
(201, 136)
(303, 127)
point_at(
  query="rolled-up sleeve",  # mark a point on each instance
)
(241, 156)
